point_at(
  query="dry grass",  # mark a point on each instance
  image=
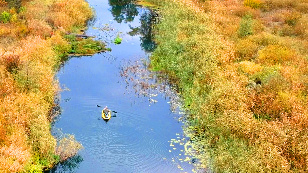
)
(67, 14)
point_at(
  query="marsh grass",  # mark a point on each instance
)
(241, 76)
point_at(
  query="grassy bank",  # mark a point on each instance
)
(241, 69)
(33, 43)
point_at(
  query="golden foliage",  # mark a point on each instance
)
(247, 116)
(67, 147)
(249, 67)
(246, 49)
(253, 3)
(69, 13)
(276, 54)
(28, 59)
(39, 28)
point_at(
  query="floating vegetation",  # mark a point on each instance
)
(117, 40)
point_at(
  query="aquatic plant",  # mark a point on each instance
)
(117, 40)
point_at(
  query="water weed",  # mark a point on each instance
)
(117, 40)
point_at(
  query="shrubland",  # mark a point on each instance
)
(33, 43)
(241, 69)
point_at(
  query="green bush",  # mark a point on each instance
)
(246, 26)
(5, 17)
(84, 46)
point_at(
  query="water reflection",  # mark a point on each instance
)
(69, 165)
(123, 10)
(145, 30)
(126, 11)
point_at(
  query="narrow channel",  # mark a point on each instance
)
(138, 138)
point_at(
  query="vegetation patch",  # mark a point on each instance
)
(240, 68)
(33, 44)
(84, 46)
(117, 40)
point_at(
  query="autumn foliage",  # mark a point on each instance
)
(241, 68)
(32, 45)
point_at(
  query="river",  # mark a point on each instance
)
(139, 138)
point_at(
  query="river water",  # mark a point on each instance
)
(138, 138)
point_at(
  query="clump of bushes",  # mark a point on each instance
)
(11, 63)
(70, 13)
(5, 17)
(39, 28)
(246, 26)
(86, 46)
(246, 49)
(276, 54)
(67, 147)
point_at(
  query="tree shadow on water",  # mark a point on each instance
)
(126, 11)
(68, 165)
(147, 19)
(123, 10)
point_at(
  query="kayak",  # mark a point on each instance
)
(106, 118)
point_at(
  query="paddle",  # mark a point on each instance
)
(114, 115)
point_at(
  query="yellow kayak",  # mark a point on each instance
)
(106, 117)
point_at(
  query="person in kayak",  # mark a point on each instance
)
(106, 111)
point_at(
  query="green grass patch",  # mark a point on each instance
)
(87, 46)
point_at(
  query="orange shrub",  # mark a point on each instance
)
(69, 13)
(241, 11)
(246, 49)
(36, 10)
(271, 102)
(11, 62)
(20, 30)
(265, 39)
(302, 7)
(3, 3)
(5, 30)
(39, 28)
(301, 27)
(291, 17)
(13, 158)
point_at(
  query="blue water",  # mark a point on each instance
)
(138, 138)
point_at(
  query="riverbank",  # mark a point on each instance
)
(34, 42)
(240, 68)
